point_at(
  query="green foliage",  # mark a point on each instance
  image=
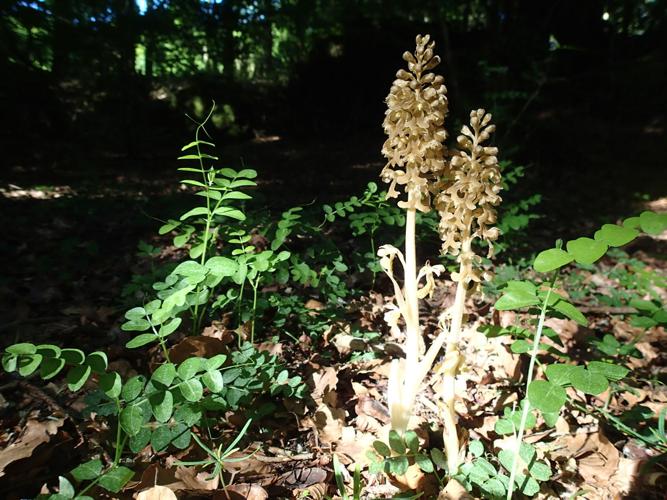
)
(339, 475)
(549, 396)
(218, 457)
(481, 476)
(395, 457)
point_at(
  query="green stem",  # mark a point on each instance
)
(255, 286)
(120, 445)
(529, 379)
(163, 344)
(209, 214)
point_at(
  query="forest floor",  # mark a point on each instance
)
(69, 249)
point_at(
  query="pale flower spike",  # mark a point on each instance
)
(417, 105)
(464, 190)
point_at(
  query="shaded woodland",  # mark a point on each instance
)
(99, 96)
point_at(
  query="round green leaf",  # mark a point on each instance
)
(192, 390)
(586, 250)
(28, 364)
(412, 440)
(66, 490)
(439, 458)
(48, 350)
(397, 465)
(570, 311)
(546, 396)
(615, 236)
(51, 367)
(135, 325)
(560, 374)
(424, 463)
(22, 348)
(540, 471)
(608, 370)
(215, 362)
(111, 384)
(382, 448)
(73, 356)
(632, 223)
(169, 327)
(551, 259)
(77, 376)
(161, 438)
(653, 223)
(87, 471)
(180, 436)
(9, 362)
(213, 380)
(396, 442)
(588, 382)
(98, 361)
(189, 368)
(133, 388)
(476, 448)
(131, 419)
(516, 295)
(141, 340)
(164, 374)
(115, 479)
(162, 405)
(140, 440)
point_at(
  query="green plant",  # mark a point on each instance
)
(549, 396)
(340, 481)
(218, 457)
(395, 457)
(162, 408)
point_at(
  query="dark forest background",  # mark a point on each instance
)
(96, 91)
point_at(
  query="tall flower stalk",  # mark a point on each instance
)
(466, 205)
(417, 105)
(464, 190)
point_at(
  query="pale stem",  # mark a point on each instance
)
(410, 285)
(453, 360)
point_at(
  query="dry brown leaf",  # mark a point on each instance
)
(372, 408)
(345, 343)
(198, 346)
(35, 433)
(329, 422)
(157, 475)
(323, 381)
(454, 491)
(314, 492)
(303, 477)
(196, 481)
(157, 493)
(565, 328)
(597, 458)
(353, 446)
(273, 348)
(218, 330)
(242, 491)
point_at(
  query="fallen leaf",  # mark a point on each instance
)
(35, 433)
(196, 481)
(372, 408)
(329, 422)
(303, 477)
(199, 346)
(157, 493)
(242, 491)
(323, 381)
(345, 343)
